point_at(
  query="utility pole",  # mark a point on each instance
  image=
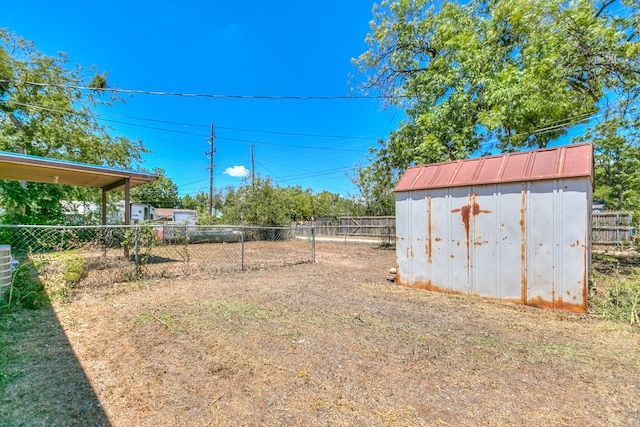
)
(253, 166)
(210, 153)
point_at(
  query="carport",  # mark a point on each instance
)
(22, 167)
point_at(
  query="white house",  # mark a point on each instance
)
(142, 212)
(77, 211)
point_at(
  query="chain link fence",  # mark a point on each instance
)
(109, 254)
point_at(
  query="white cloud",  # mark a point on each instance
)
(237, 171)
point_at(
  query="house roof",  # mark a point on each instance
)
(170, 211)
(550, 163)
(22, 167)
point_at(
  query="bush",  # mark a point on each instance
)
(618, 300)
(25, 290)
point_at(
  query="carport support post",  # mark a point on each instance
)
(104, 222)
(127, 210)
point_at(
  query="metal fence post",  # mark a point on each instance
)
(135, 247)
(313, 243)
(242, 248)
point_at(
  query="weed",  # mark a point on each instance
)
(60, 273)
(618, 300)
(76, 270)
(25, 289)
(142, 240)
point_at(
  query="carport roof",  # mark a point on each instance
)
(22, 167)
(568, 161)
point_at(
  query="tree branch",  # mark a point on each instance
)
(604, 6)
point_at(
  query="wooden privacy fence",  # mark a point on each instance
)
(612, 229)
(608, 228)
(370, 228)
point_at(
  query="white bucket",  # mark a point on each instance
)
(5, 265)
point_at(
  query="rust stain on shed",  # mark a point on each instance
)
(466, 212)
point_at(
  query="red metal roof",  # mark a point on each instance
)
(549, 163)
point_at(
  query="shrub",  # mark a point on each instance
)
(25, 290)
(619, 299)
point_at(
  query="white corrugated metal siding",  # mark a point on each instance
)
(525, 242)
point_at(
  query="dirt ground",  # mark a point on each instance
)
(332, 343)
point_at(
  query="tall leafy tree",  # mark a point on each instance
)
(161, 193)
(328, 205)
(498, 74)
(375, 183)
(45, 111)
(617, 161)
(258, 203)
(200, 204)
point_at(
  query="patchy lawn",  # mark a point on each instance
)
(331, 343)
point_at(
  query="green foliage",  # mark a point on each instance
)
(8, 358)
(25, 290)
(265, 204)
(258, 203)
(142, 240)
(200, 204)
(498, 74)
(326, 204)
(619, 300)
(161, 193)
(52, 119)
(60, 272)
(37, 204)
(617, 161)
(376, 181)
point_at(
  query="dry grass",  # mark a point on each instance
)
(327, 344)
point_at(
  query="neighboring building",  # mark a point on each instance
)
(598, 206)
(514, 227)
(142, 212)
(89, 212)
(182, 216)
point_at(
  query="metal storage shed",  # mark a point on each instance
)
(514, 227)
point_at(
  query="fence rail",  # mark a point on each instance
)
(378, 229)
(608, 229)
(612, 229)
(111, 254)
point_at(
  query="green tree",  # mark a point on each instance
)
(375, 183)
(259, 203)
(200, 204)
(617, 162)
(45, 112)
(497, 74)
(327, 205)
(300, 203)
(264, 203)
(161, 193)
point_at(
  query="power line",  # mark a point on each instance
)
(153, 127)
(195, 125)
(316, 174)
(203, 95)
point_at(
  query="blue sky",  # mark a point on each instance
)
(252, 48)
